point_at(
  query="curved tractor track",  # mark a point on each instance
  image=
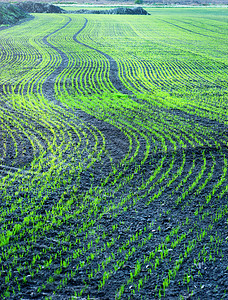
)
(113, 73)
(48, 85)
(113, 159)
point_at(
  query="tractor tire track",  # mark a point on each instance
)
(191, 31)
(113, 74)
(188, 23)
(48, 85)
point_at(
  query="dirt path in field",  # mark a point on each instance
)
(188, 23)
(113, 72)
(137, 219)
(48, 85)
(118, 143)
(154, 222)
(189, 29)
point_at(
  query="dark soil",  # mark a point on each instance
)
(160, 217)
(48, 89)
(209, 278)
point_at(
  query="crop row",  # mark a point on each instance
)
(110, 193)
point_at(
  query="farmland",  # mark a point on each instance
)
(114, 149)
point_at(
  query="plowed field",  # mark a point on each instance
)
(113, 156)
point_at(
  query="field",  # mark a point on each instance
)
(114, 149)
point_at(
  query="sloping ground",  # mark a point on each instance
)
(112, 196)
(114, 11)
(10, 14)
(34, 7)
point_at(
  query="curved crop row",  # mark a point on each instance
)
(113, 166)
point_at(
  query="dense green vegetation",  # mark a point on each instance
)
(114, 148)
(10, 14)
